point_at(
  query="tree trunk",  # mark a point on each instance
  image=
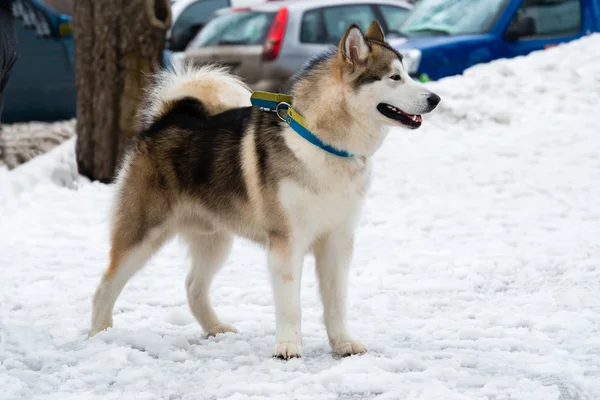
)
(118, 45)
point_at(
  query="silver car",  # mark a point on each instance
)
(189, 16)
(266, 44)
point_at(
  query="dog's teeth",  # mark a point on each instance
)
(414, 118)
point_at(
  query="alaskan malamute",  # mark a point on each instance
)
(209, 166)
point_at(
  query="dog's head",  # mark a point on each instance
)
(377, 81)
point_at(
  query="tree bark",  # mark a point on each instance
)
(62, 6)
(118, 46)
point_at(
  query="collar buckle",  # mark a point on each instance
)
(276, 102)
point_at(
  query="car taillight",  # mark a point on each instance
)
(274, 39)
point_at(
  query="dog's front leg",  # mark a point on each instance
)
(285, 265)
(333, 255)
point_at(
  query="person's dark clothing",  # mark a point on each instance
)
(8, 47)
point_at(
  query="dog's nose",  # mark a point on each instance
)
(433, 100)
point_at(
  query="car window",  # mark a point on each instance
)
(185, 26)
(310, 30)
(337, 19)
(452, 17)
(550, 17)
(198, 12)
(239, 28)
(394, 17)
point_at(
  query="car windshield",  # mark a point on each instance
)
(237, 28)
(452, 17)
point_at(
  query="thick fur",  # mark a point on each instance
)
(214, 87)
(209, 167)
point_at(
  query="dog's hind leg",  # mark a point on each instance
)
(125, 261)
(209, 252)
(140, 227)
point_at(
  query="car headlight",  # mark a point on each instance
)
(411, 60)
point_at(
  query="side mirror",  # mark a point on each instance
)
(65, 26)
(194, 29)
(520, 27)
(180, 39)
(176, 42)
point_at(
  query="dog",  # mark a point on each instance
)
(209, 166)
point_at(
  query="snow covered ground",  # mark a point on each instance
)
(478, 260)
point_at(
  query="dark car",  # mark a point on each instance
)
(42, 82)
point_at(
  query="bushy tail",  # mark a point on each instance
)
(214, 87)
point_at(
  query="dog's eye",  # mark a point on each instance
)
(395, 77)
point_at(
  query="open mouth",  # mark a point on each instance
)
(409, 120)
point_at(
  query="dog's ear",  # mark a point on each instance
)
(353, 46)
(375, 32)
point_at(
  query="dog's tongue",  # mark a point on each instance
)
(416, 118)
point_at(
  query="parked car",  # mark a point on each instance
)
(42, 82)
(445, 37)
(266, 44)
(189, 16)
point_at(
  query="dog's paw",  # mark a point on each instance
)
(348, 347)
(94, 331)
(221, 328)
(287, 350)
(99, 326)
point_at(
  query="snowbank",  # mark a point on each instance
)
(476, 272)
(552, 83)
(56, 167)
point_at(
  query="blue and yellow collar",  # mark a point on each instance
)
(277, 102)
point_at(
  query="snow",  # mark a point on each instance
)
(476, 273)
(58, 166)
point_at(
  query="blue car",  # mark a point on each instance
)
(42, 82)
(444, 37)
